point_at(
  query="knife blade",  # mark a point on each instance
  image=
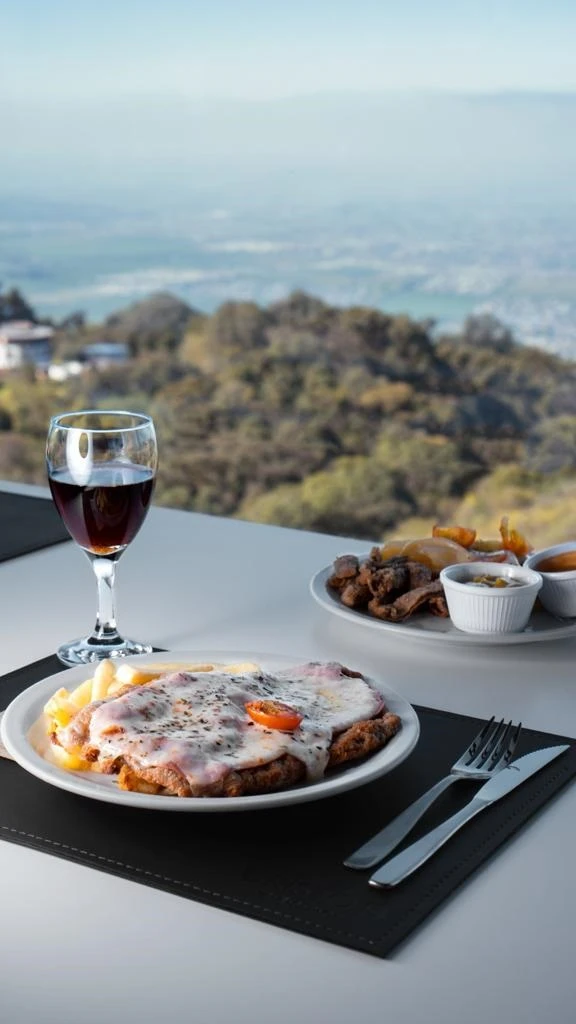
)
(409, 860)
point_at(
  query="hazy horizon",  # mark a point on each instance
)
(327, 148)
(414, 157)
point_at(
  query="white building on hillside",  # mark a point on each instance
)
(62, 371)
(21, 342)
(103, 354)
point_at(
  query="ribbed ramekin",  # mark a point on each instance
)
(558, 594)
(490, 609)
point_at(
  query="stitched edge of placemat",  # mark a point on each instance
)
(174, 885)
(491, 844)
(554, 778)
(388, 940)
(64, 849)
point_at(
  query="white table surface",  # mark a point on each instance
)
(78, 945)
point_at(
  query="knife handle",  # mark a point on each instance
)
(380, 845)
(408, 860)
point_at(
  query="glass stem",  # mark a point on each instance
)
(105, 630)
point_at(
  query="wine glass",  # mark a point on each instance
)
(102, 470)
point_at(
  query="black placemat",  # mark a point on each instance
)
(284, 866)
(28, 524)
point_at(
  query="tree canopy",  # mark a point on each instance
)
(304, 414)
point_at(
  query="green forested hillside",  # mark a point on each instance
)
(338, 420)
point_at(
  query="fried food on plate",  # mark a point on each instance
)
(461, 534)
(392, 589)
(400, 578)
(109, 680)
(514, 541)
(222, 733)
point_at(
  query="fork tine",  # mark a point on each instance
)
(498, 747)
(491, 742)
(503, 753)
(477, 743)
(491, 748)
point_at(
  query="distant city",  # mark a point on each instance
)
(436, 262)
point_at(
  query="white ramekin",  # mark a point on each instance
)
(490, 609)
(558, 594)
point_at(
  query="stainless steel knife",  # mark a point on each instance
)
(407, 861)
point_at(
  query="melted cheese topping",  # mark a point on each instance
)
(199, 722)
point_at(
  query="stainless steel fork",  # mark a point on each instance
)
(490, 751)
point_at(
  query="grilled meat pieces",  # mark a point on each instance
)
(388, 579)
(420, 575)
(345, 569)
(391, 589)
(437, 605)
(408, 603)
(363, 738)
(356, 594)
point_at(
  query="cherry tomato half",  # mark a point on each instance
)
(272, 714)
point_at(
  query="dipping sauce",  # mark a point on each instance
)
(496, 582)
(564, 562)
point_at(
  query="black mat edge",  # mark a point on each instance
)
(53, 530)
(554, 779)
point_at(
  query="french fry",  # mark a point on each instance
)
(512, 540)
(131, 675)
(59, 708)
(104, 676)
(82, 695)
(242, 666)
(56, 700)
(108, 680)
(71, 761)
(179, 666)
(461, 534)
(136, 675)
(115, 688)
(61, 717)
(487, 545)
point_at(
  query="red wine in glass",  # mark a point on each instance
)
(101, 470)
(104, 515)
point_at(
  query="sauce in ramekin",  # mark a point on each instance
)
(563, 562)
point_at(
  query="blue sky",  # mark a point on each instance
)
(270, 48)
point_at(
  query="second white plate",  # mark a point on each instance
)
(423, 626)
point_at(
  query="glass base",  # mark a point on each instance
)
(85, 651)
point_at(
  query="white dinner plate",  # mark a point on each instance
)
(23, 734)
(423, 626)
